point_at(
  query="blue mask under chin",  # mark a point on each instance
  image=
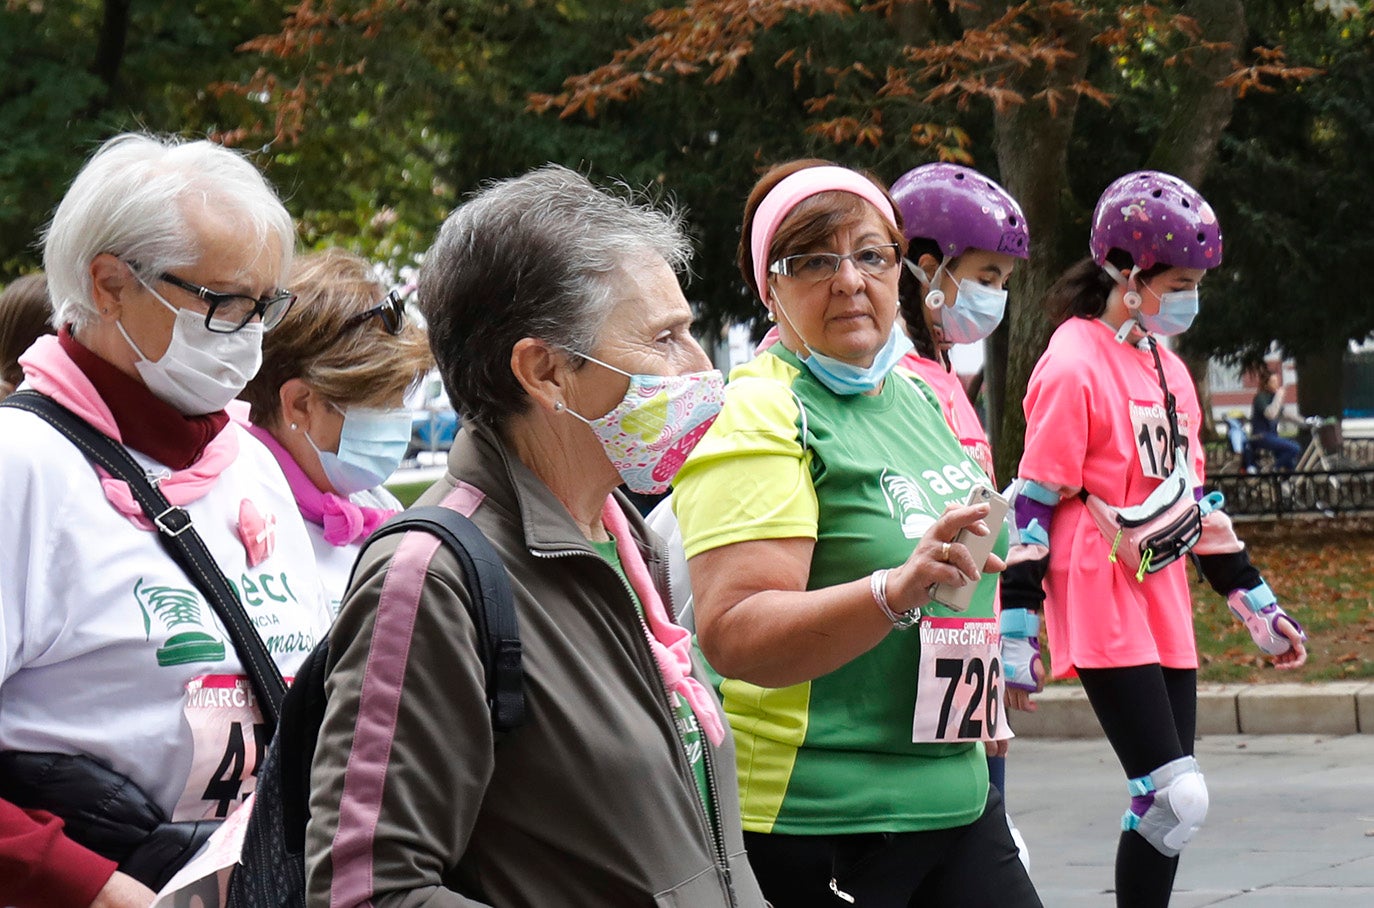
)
(846, 378)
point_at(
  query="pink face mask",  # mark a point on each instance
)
(649, 434)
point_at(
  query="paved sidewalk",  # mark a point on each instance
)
(1323, 708)
(1291, 821)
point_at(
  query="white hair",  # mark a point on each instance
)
(131, 199)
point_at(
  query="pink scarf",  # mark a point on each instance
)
(671, 643)
(344, 522)
(49, 370)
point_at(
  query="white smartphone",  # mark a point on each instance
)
(960, 597)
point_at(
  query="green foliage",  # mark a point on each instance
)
(1291, 188)
(59, 97)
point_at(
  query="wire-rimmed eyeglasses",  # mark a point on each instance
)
(820, 266)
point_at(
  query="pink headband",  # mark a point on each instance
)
(785, 196)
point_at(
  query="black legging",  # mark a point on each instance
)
(973, 866)
(1149, 714)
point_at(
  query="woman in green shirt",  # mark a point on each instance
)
(816, 513)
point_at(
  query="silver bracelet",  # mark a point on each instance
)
(877, 584)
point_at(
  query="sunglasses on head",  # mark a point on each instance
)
(390, 312)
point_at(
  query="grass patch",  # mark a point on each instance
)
(1322, 571)
(407, 492)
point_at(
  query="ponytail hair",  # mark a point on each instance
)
(1082, 290)
(911, 296)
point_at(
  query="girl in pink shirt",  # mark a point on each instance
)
(965, 233)
(1113, 416)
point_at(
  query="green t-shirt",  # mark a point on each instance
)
(865, 477)
(689, 729)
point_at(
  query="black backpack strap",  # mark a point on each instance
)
(178, 537)
(492, 603)
(302, 714)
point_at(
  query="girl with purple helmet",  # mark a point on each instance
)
(1108, 500)
(965, 234)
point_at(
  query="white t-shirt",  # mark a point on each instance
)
(336, 561)
(106, 646)
(663, 521)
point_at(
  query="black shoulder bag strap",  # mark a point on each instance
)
(178, 537)
(492, 606)
(1176, 440)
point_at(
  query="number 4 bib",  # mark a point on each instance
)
(959, 690)
(229, 736)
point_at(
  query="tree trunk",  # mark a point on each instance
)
(1188, 141)
(912, 22)
(109, 52)
(1032, 156)
(1321, 380)
(995, 382)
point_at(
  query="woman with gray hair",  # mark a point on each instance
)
(124, 706)
(558, 324)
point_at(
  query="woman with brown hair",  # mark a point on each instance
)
(329, 402)
(817, 513)
(25, 316)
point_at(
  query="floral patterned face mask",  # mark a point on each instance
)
(649, 434)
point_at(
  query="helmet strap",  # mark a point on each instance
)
(1131, 297)
(935, 295)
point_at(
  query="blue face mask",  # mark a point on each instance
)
(846, 378)
(1176, 312)
(976, 313)
(371, 447)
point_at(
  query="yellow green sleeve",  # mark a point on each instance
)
(749, 477)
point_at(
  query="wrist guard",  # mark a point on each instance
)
(1020, 648)
(1262, 616)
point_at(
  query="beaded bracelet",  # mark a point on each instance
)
(877, 583)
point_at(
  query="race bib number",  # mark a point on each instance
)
(959, 691)
(229, 735)
(1150, 423)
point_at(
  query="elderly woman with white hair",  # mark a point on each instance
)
(563, 337)
(126, 719)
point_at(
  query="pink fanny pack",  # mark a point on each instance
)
(1150, 536)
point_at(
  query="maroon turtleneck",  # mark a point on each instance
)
(146, 422)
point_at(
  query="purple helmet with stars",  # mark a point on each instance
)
(960, 209)
(1156, 218)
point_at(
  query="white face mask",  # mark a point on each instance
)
(202, 370)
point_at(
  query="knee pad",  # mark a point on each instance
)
(1168, 806)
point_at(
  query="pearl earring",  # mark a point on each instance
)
(293, 427)
(558, 406)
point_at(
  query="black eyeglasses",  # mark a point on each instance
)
(391, 312)
(231, 311)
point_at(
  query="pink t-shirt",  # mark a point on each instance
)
(1095, 419)
(958, 409)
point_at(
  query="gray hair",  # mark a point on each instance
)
(131, 200)
(539, 255)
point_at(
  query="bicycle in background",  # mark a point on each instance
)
(1326, 449)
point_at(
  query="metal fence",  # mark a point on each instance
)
(1280, 494)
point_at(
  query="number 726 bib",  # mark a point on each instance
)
(959, 690)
